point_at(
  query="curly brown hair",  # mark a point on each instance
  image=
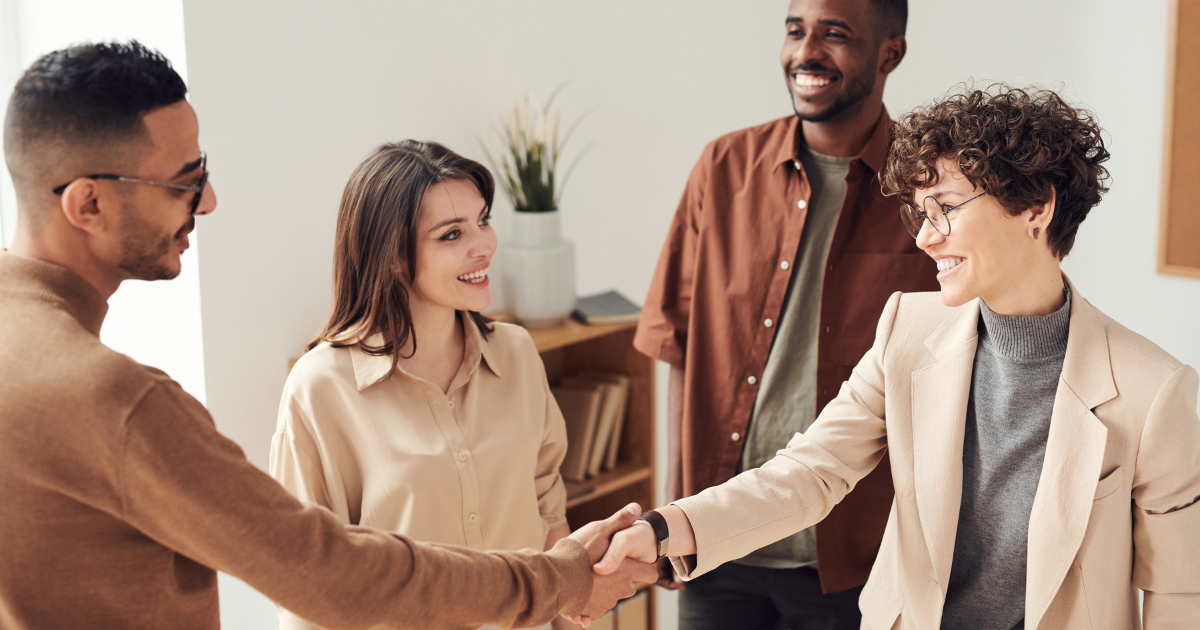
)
(1014, 144)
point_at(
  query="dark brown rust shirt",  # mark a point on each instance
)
(724, 272)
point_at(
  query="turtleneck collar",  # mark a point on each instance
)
(1028, 337)
(33, 279)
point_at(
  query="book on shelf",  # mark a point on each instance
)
(609, 307)
(615, 392)
(580, 407)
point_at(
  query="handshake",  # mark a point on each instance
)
(622, 550)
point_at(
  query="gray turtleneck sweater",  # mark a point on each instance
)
(1017, 367)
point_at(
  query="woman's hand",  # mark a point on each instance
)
(637, 542)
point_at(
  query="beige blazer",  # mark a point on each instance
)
(1114, 506)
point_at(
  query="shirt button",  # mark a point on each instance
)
(451, 403)
(473, 518)
(462, 457)
(784, 265)
(752, 380)
(802, 204)
(768, 323)
(736, 436)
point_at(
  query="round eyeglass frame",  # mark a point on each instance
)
(913, 219)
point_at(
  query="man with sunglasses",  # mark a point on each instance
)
(780, 259)
(119, 500)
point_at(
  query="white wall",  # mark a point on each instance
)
(291, 96)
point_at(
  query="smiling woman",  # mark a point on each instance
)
(411, 412)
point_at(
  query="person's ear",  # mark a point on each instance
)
(82, 207)
(891, 53)
(1038, 217)
(400, 270)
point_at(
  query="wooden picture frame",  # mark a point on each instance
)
(1179, 236)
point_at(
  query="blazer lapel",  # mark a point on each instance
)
(939, 408)
(1074, 456)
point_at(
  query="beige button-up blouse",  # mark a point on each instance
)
(477, 467)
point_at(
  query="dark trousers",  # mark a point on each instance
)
(738, 597)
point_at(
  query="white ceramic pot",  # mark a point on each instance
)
(539, 270)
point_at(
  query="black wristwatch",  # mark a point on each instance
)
(661, 532)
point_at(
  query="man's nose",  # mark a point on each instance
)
(208, 200)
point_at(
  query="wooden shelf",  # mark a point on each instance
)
(576, 347)
(547, 339)
(619, 478)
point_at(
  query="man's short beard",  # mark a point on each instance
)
(853, 98)
(142, 250)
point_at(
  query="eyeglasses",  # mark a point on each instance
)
(937, 213)
(198, 188)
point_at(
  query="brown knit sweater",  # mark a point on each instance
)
(119, 501)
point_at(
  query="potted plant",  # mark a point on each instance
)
(538, 274)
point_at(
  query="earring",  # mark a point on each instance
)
(1035, 233)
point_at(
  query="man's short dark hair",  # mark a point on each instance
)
(84, 97)
(893, 16)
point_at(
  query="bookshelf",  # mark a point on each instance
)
(575, 347)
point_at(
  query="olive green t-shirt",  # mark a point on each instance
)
(786, 403)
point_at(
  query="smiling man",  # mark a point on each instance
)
(781, 256)
(119, 500)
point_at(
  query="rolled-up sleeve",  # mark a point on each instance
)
(663, 328)
(1166, 506)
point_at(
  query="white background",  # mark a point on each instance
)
(292, 94)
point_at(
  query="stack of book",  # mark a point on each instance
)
(593, 405)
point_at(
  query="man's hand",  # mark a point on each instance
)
(596, 535)
(611, 588)
(667, 577)
(618, 583)
(638, 542)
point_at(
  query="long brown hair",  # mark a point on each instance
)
(377, 221)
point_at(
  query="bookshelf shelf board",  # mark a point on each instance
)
(623, 476)
(573, 332)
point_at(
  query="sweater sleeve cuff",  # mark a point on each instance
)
(574, 567)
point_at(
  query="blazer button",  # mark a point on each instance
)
(784, 265)
(736, 436)
(768, 323)
(802, 204)
(751, 380)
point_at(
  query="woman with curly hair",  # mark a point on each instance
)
(1046, 460)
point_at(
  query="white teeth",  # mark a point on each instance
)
(949, 263)
(475, 277)
(808, 80)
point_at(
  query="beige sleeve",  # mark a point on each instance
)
(804, 481)
(552, 493)
(192, 490)
(1166, 506)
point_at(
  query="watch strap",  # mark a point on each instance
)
(659, 525)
